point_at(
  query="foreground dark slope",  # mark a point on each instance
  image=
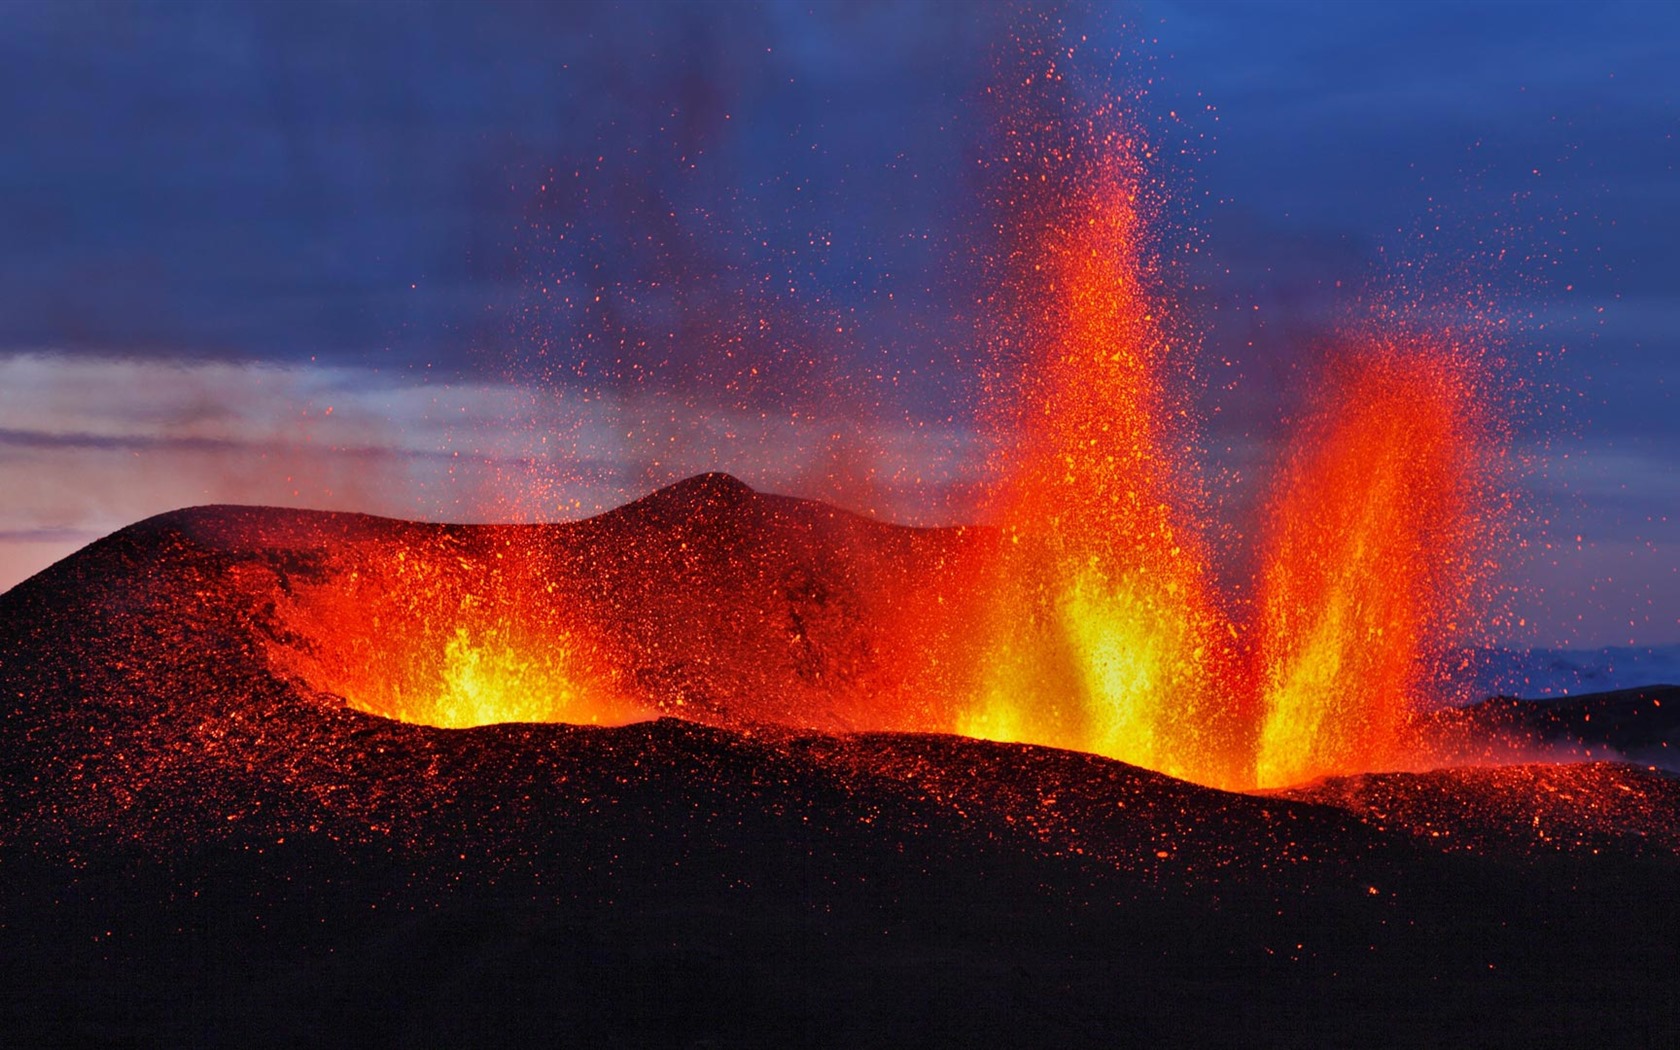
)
(195, 849)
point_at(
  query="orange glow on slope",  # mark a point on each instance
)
(1367, 561)
(1100, 632)
(434, 633)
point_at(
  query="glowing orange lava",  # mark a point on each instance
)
(1100, 627)
(435, 632)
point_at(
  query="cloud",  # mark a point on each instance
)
(93, 444)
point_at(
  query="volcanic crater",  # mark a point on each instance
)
(273, 776)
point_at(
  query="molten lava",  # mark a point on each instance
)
(435, 633)
(1100, 625)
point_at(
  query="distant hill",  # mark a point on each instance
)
(1567, 672)
(1640, 726)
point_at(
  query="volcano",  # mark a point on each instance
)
(654, 778)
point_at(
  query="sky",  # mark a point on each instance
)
(522, 261)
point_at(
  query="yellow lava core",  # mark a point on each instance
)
(484, 679)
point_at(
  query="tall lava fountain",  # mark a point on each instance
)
(1100, 624)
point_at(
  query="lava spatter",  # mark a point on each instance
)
(445, 633)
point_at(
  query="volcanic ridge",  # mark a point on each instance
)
(655, 778)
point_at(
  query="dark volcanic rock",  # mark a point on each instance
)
(1598, 807)
(1636, 725)
(196, 848)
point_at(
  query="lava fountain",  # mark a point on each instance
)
(443, 632)
(1099, 625)
(1369, 557)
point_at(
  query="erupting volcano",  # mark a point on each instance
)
(674, 770)
(1088, 615)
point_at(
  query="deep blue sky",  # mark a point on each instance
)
(446, 189)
